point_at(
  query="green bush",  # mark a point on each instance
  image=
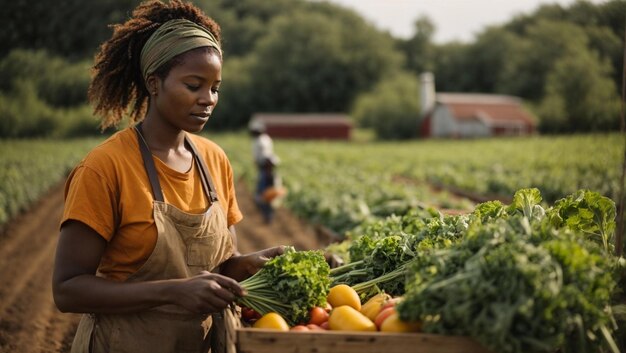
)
(77, 122)
(58, 82)
(580, 96)
(67, 87)
(23, 114)
(44, 96)
(391, 108)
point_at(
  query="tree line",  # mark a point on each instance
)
(302, 56)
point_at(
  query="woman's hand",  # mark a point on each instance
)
(243, 266)
(206, 293)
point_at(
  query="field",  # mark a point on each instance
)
(341, 184)
(333, 186)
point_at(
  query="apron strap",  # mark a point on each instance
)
(207, 182)
(148, 162)
(146, 155)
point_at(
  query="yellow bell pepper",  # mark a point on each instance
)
(343, 294)
(272, 321)
(373, 306)
(394, 324)
(346, 318)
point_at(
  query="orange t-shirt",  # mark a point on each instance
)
(110, 192)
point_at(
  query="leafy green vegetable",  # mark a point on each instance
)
(588, 286)
(517, 278)
(362, 246)
(364, 237)
(516, 285)
(290, 285)
(388, 254)
(490, 210)
(588, 212)
(528, 202)
(384, 249)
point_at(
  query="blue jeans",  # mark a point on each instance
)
(265, 181)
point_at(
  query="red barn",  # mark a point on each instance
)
(305, 125)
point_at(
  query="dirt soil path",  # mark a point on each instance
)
(29, 320)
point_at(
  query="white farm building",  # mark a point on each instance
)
(467, 115)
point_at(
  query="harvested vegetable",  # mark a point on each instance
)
(346, 318)
(393, 324)
(522, 280)
(588, 212)
(272, 321)
(290, 285)
(318, 316)
(374, 305)
(386, 256)
(383, 315)
(343, 294)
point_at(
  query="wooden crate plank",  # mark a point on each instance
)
(270, 341)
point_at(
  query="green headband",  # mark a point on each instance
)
(174, 37)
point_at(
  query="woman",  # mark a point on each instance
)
(147, 245)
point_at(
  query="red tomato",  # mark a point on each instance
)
(328, 307)
(249, 314)
(318, 316)
(383, 315)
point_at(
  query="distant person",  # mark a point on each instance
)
(262, 144)
(147, 246)
(269, 190)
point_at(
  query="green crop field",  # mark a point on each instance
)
(28, 168)
(341, 184)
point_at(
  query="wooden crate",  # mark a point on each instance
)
(271, 341)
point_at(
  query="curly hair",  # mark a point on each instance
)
(117, 87)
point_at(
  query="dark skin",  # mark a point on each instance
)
(181, 102)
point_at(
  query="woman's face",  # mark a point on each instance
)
(189, 93)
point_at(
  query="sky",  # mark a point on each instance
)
(454, 19)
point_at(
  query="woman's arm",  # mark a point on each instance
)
(76, 287)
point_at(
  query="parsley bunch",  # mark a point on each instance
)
(289, 284)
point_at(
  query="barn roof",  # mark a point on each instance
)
(303, 119)
(490, 108)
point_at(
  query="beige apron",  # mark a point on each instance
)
(186, 245)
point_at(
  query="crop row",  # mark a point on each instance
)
(28, 168)
(556, 165)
